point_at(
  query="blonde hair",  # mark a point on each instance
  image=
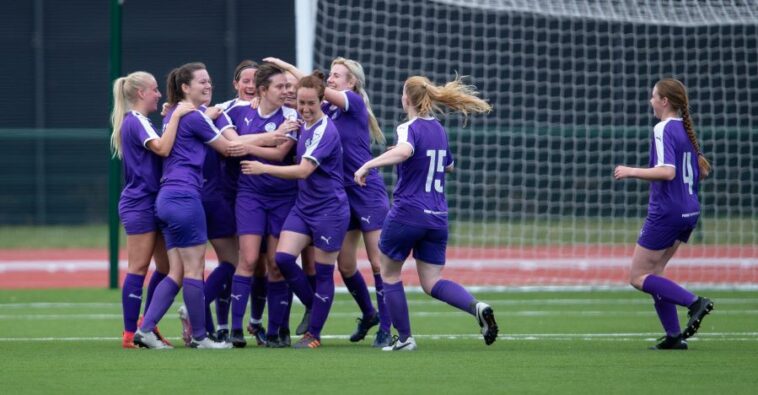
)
(428, 99)
(356, 71)
(124, 96)
(676, 92)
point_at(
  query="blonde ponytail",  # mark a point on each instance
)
(117, 115)
(429, 99)
(124, 95)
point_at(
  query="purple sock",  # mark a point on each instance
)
(394, 297)
(240, 291)
(384, 315)
(214, 286)
(667, 314)
(277, 304)
(165, 293)
(155, 279)
(131, 300)
(216, 281)
(258, 298)
(311, 281)
(209, 327)
(194, 299)
(295, 278)
(322, 298)
(668, 291)
(224, 303)
(357, 287)
(454, 295)
(288, 309)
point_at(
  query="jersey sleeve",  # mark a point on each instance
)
(664, 147)
(405, 135)
(224, 121)
(202, 127)
(324, 144)
(449, 160)
(145, 131)
(353, 102)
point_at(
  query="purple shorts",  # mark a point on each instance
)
(326, 231)
(182, 218)
(259, 215)
(219, 217)
(657, 236)
(368, 206)
(398, 239)
(138, 215)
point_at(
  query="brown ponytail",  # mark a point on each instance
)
(675, 91)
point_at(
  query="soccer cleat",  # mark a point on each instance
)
(698, 310)
(160, 337)
(275, 342)
(486, 318)
(382, 339)
(237, 338)
(670, 343)
(186, 326)
(222, 335)
(149, 340)
(207, 343)
(363, 327)
(258, 333)
(408, 345)
(156, 331)
(302, 327)
(307, 341)
(127, 340)
(284, 336)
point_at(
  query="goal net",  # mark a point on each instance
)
(532, 201)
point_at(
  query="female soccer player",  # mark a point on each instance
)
(347, 104)
(676, 166)
(244, 84)
(263, 202)
(320, 214)
(135, 141)
(180, 209)
(219, 194)
(418, 218)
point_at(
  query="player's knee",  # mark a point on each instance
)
(636, 281)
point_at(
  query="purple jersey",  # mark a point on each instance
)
(671, 201)
(142, 168)
(352, 125)
(419, 197)
(251, 121)
(217, 180)
(323, 192)
(183, 169)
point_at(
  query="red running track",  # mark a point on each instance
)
(555, 265)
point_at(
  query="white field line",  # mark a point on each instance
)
(500, 313)
(718, 336)
(494, 302)
(588, 264)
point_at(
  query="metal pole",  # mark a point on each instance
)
(39, 112)
(114, 173)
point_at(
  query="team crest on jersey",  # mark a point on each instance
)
(270, 127)
(308, 143)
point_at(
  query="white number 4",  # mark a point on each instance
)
(687, 173)
(437, 161)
